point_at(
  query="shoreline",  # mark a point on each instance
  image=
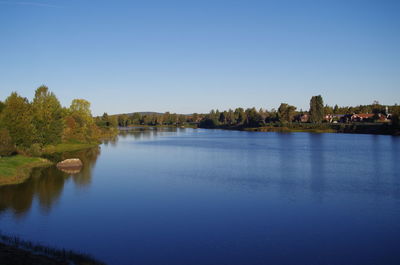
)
(349, 128)
(189, 126)
(18, 168)
(372, 129)
(14, 250)
(13, 255)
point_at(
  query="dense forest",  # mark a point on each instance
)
(318, 115)
(29, 127)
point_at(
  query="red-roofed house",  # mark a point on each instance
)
(362, 117)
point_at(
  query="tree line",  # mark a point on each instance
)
(152, 119)
(28, 126)
(288, 114)
(247, 118)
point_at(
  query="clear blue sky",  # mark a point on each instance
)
(192, 56)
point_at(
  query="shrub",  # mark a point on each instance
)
(208, 123)
(35, 150)
(49, 149)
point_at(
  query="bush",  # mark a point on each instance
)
(7, 146)
(35, 150)
(49, 149)
(208, 123)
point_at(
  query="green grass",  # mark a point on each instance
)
(68, 147)
(16, 169)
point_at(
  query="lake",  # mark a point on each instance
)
(196, 196)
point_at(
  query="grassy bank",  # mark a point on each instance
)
(67, 147)
(16, 169)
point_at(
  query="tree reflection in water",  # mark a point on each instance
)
(46, 184)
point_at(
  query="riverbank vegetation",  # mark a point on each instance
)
(14, 250)
(42, 126)
(360, 128)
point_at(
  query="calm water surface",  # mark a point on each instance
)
(219, 197)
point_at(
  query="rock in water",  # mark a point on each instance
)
(70, 166)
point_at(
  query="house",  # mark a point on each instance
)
(383, 117)
(362, 117)
(329, 118)
(335, 118)
(303, 117)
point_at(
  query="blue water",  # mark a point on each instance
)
(220, 197)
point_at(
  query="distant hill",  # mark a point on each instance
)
(147, 113)
(140, 112)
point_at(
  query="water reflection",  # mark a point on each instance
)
(113, 141)
(229, 194)
(394, 156)
(46, 184)
(317, 164)
(147, 133)
(294, 163)
(286, 182)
